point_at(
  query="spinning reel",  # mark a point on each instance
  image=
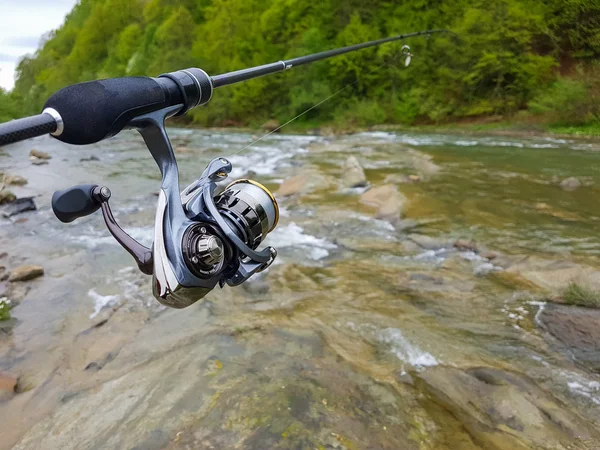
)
(200, 239)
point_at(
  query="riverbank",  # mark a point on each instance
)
(479, 127)
(407, 308)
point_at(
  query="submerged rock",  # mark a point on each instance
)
(503, 410)
(292, 186)
(570, 184)
(575, 331)
(26, 273)
(354, 175)
(15, 180)
(39, 154)
(429, 243)
(18, 206)
(387, 199)
(466, 244)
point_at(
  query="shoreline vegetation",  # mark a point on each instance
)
(534, 64)
(509, 128)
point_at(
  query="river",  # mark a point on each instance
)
(365, 334)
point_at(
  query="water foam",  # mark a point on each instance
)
(101, 301)
(404, 350)
(95, 238)
(293, 235)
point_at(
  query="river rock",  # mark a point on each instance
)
(423, 163)
(270, 125)
(26, 273)
(18, 206)
(575, 331)
(387, 199)
(490, 255)
(6, 196)
(15, 180)
(39, 154)
(429, 243)
(554, 275)
(354, 175)
(292, 186)
(503, 410)
(37, 161)
(570, 184)
(8, 382)
(466, 245)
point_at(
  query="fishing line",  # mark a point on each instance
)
(405, 51)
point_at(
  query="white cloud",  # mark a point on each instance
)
(22, 24)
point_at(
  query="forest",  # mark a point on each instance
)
(527, 61)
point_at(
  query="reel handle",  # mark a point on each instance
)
(75, 202)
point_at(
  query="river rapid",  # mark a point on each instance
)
(367, 333)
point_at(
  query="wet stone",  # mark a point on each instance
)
(26, 273)
(34, 153)
(576, 333)
(353, 173)
(292, 186)
(6, 196)
(19, 206)
(15, 180)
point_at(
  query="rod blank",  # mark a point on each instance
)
(258, 71)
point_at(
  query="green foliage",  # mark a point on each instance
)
(573, 101)
(505, 58)
(4, 309)
(9, 108)
(576, 294)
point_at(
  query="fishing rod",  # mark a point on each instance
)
(200, 239)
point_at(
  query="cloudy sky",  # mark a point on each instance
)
(22, 24)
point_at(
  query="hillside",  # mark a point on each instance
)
(511, 55)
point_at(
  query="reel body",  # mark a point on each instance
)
(201, 240)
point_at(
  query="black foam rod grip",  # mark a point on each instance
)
(95, 110)
(74, 202)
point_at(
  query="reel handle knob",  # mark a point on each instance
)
(77, 201)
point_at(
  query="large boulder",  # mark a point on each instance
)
(387, 199)
(354, 175)
(26, 273)
(570, 184)
(575, 331)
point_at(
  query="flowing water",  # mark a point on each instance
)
(357, 338)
